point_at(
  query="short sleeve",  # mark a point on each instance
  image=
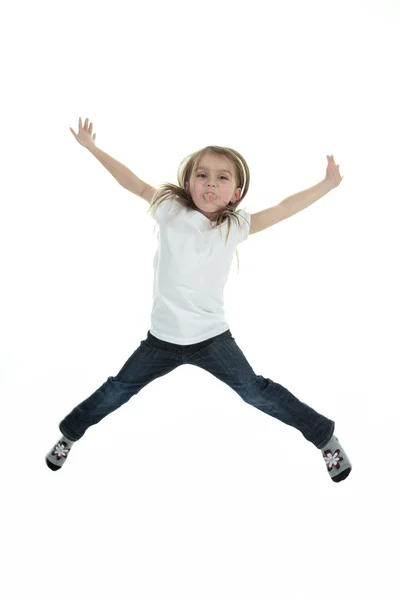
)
(244, 227)
(162, 210)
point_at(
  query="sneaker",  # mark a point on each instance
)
(59, 454)
(336, 460)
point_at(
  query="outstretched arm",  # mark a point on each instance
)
(120, 172)
(294, 204)
(298, 202)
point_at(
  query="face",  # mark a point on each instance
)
(212, 185)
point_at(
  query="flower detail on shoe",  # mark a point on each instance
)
(332, 459)
(60, 450)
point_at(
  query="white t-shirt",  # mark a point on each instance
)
(191, 267)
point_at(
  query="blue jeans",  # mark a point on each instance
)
(220, 356)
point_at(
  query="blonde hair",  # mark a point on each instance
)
(181, 192)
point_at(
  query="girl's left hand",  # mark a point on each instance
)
(332, 172)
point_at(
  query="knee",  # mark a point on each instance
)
(251, 390)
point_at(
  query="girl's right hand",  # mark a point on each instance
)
(84, 136)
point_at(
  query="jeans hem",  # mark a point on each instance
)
(67, 435)
(320, 446)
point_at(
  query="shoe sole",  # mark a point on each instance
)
(342, 475)
(52, 466)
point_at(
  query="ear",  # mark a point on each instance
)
(237, 196)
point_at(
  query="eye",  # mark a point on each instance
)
(223, 176)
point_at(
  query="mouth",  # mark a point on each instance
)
(209, 196)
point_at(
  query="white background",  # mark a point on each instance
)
(187, 492)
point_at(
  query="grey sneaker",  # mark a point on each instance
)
(336, 460)
(59, 454)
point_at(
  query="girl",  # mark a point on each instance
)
(188, 325)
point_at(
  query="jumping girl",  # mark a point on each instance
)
(191, 267)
